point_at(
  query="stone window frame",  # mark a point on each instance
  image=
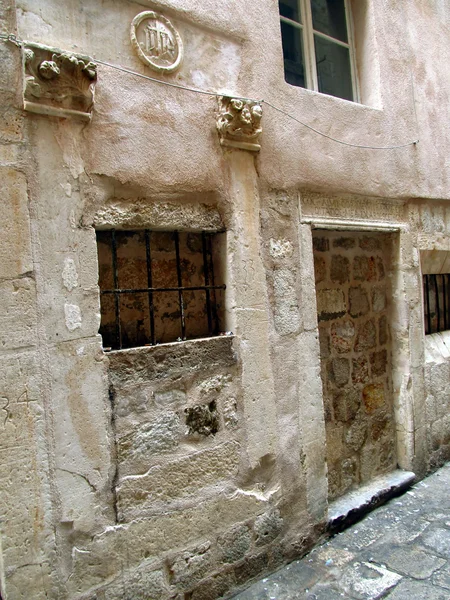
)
(307, 33)
(209, 287)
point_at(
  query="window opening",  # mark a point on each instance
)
(158, 287)
(317, 46)
(436, 289)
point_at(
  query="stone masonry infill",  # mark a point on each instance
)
(352, 293)
(399, 551)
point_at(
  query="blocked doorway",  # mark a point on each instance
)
(353, 305)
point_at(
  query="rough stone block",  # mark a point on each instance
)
(360, 370)
(373, 397)
(378, 363)
(370, 244)
(367, 336)
(334, 442)
(140, 584)
(346, 404)
(358, 301)
(235, 543)
(251, 567)
(189, 567)
(320, 268)
(144, 539)
(382, 330)
(378, 299)
(364, 268)
(340, 269)
(268, 527)
(380, 268)
(344, 242)
(324, 342)
(339, 371)
(342, 335)
(177, 479)
(380, 425)
(356, 434)
(321, 244)
(15, 249)
(214, 587)
(330, 304)
(202, 419)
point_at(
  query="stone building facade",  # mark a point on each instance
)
(253, 254)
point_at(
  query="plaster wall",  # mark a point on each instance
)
(88, 437)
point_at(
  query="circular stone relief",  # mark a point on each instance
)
(156, 42)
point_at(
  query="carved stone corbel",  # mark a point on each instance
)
(239, 123)
(57, 83)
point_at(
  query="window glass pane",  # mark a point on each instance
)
(294, 69)
(329, 17)
(333, 69)
(290, 9)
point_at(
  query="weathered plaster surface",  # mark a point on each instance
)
(184, 470)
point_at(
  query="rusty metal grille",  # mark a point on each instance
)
(436, 293)
(209, 287)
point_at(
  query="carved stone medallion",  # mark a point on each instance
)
(239, 123)
(156, 42)
(57, 82)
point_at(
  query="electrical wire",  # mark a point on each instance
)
(19, 43)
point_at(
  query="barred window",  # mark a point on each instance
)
(159, 286)
(436, 294)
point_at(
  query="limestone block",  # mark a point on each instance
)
(31, 580)
(356, 434)
(330, 304)
(287, 313)
(214, 587)
(11, 119)
(190, 566)
(15, 249)
(18, 315)
(177, 479)
(150, 537)
(382, 330)
(81, 418)
(346, 404)
(252, 566)
(159, 436)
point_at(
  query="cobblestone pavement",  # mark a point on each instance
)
(400, 551)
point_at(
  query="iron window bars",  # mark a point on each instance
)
(436, 292)
(208, 288)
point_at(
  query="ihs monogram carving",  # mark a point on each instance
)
(239, 123)
(58, 83)
(156, 42)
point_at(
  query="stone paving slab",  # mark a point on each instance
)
(400, 551)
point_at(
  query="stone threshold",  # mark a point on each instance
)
(353, 506)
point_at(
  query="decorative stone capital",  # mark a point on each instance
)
(239, 123)
(58, 83)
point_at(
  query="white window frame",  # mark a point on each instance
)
(307, 32)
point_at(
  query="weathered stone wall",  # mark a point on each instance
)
(181, 471)
(354, 329)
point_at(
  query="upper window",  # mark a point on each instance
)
(317, 46)
(158, 286)
(436, 292)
